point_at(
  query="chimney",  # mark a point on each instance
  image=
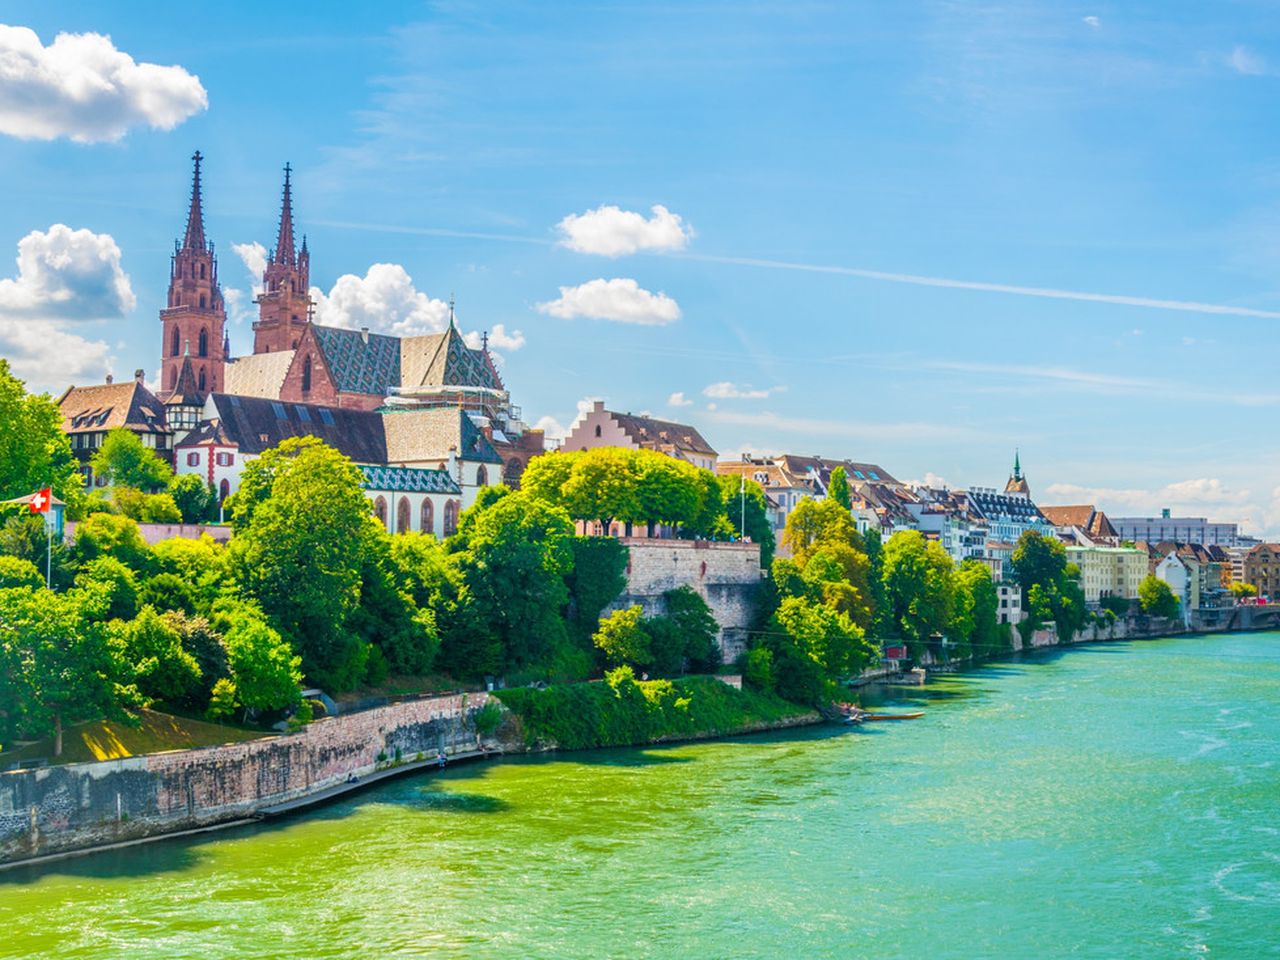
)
(364, 334)
(139, 376)
(598, 407)
(110, 379)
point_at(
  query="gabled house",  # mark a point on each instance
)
(88, 413)
(599, 427)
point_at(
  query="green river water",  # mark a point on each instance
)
(1117, 801)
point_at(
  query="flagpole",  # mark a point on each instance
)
(742, 496)
(48, 553)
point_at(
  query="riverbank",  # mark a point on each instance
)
(79, 808)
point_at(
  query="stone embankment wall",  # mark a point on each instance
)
(726, 575)
(153, 533)
(68, 807)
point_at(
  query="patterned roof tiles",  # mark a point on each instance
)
(408, 480)
(360, 362)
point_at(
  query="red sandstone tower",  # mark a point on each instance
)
(194, 322)
(284, 305)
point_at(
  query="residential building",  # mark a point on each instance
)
(88, 413)
(1182, 575)
(1008, 514)
(962, 532)
(1108, 571)
(1084, 524)
(1262, 569)
(599, 427)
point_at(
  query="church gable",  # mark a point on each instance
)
(309, 378)
(359, 361)
(445, 360)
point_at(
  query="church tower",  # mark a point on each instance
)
(194, 321)
(1017, 484)
(284, 306)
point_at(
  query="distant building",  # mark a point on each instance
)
(1262, 569)
(1182, 574)
(1008, 515)
(1182, 529)
(1085, 524)
(1108, 571)
(88, 413)
(599, 427)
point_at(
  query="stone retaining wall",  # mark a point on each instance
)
(79, 805)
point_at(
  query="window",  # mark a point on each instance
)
(450, 518)
(226, 459)
(193, 459)
(306, 375)
(202, 271)
(428, 516)
(872, 475)
(278, 410)
(224, 490)
(380, 510)
(859, 474)
(202, 301)
(204, 337)
(402, 515)
(174, 343)
(202, 381)
(303, 413)
(482, 476)
(326, 416)
(597, 429)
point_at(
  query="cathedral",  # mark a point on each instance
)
(299, 361)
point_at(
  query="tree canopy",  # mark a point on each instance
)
(124, 461)
(34, 452)
(1157, 599)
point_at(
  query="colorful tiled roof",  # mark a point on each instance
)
(408, 480)
(445, 360)
(360, 362)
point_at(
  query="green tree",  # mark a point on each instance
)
(1038, 559)
(602, 485)
(1157, 599)
(838, 488)
(1241, 590)
(146, 507)
(545, 476)
(1119, 606)
(389, 616)
(623, 639)
(919, 588)
(816, 522)
(195, 500)
(202, 564)
(168, 592)
(745, 499)
(152, 647)
(109, 535)
(303, 527)
(265, 672)
(15, 572)
(113, 584)
(812, 646)
(695, 626)
(975, 617)
(875, 580)
(34, 452)
(66, 669)
(125, 462)
(514, 569)
(599, 576)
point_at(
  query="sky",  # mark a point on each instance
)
(919, 234)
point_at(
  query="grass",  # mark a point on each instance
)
(109, 740)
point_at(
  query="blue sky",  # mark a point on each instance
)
(1125, 150)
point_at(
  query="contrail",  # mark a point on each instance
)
(1187, 306)
(1049, 293)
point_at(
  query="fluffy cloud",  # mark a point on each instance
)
(732, 391)
(678, 399)
(932, 480)
(613, 232)
(254, 257)
(555, 430)
(82, 87)
(1199, 494)
(65, 277)
(499, 338)
(384, 300)
(1093, 22)
(619, 299)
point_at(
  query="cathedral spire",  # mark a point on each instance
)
(284, 242)
(194, 239)
(1017, 464)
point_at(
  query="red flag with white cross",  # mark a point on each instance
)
(40, 500)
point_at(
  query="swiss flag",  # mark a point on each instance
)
(40, 500)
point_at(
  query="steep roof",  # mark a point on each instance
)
(255, 424)
(185, 393)
(664, 436)
(258, 375)
(444, 359)
(998, 506)
(414, 435)
(408, 480)
(110, 405)
(360, 362)
(856, 470)
(1087, 517)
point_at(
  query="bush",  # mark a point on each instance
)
(757, 668)
(113, 584)
(19, 573)
(624, 711)
(488, 718)
(1117, 606)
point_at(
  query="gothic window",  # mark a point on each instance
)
(380, 510)
(306, 375)
(204, 337)
(174, 343)
(202, 382)
(202, 301)
(428, 516)
(450, 518)
(202, 271)
(224, 490)
(482, 476)
(402, 516)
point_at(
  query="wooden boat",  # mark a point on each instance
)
(892, 716)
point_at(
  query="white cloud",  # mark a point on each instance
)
(732, 391)
(1245, 61)
(619, 299)
(64, 277)
(678, 399)
(931, 479)
(254, 257)
(499, 338)
(613, 232)
(384, 300)
(553, 428)
(82, 87)
(1093, 22)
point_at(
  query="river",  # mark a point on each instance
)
(1117, 801)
